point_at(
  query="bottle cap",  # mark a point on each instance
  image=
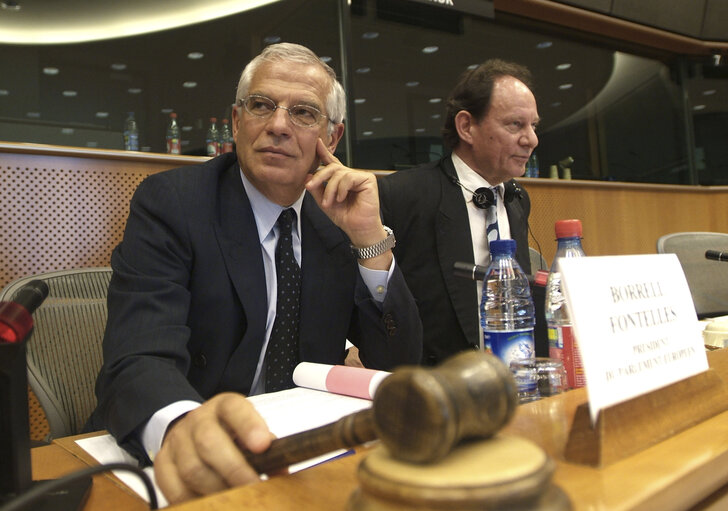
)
(504, 246)
(568, 228)
(173, 115)
(213, 119)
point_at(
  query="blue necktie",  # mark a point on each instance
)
(491, 218)
(282, 354)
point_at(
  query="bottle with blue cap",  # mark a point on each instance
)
(507, 314)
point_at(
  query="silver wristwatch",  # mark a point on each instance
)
(378, 248)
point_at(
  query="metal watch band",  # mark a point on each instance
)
(378, 248)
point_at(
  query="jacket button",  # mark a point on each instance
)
(200, 360)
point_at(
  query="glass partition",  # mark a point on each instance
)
(607, 114)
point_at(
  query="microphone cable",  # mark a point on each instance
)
(40, 490)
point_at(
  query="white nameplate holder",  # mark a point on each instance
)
(643, 355)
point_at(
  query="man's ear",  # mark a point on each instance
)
(335, 137)
(463, 124)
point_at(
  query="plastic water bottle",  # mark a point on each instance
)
(131, 133)
(532, 166)
(226, 137)
(507, 313)
(212, 141)
(174, 143)
(562, 343)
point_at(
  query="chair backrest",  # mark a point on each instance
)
(708, 280)
(64, 352)
(537, 261)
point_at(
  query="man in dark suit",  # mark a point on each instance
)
(490, 127)
(193, 319)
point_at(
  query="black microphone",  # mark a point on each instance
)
(15, 316)
(469, 270)
(716, 255)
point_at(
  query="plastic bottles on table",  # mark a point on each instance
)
(174, 142)
(212, 140)
(562, 343)
(507, 313)
(131, 133)
(226, 138)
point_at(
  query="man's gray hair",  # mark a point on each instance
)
(289, 52)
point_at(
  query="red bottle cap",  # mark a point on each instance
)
(568, 228)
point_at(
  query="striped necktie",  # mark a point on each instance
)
(491, 218)
(282, 354)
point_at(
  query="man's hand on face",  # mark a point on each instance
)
(201, 451)
(349, 197)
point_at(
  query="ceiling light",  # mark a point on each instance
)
(430, 49)
(134, 90)
(118, 66)
(377, 119)
(434, 100)
(195, 55)
(167, 111)
(563, 67)
(420, 130)
(325, 58)
(699, 107)
(359, 101)
(70, 93)
(556, 103)
(187, 128)
(123, 22)
(435, 116)
(370, 35)
(102, 115)
(412, 84)
(367, 133)
(67, 131)
(4, 92)
(363, 70)
(566, 86)
(272, 39)
(50, 71)
(33, 115)
(544, 44)
(189, 85)
(10, 5)
(709, 92)
(473, 66)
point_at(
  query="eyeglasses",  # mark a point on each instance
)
(301, 115)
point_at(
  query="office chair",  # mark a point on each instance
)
(64, 351)
(708, 280)
(537, 261)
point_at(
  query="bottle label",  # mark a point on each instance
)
(563, 346)
(227, 147)
(174, 146)
(510, 345)
(212, 149)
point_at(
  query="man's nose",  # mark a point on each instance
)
(279, 121)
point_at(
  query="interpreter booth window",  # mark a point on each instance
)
(605, 114)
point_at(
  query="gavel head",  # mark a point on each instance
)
(421, 414)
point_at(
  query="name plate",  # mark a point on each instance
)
(635, 323)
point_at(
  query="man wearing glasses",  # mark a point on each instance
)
(233, 271)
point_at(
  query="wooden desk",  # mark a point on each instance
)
(687, 471)
(107, 492)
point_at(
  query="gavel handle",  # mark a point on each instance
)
(349, 431)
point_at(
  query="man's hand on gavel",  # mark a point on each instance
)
(201, 452)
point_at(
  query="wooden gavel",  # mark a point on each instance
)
(418, 414)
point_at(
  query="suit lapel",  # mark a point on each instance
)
(454, 243)
(237, 236)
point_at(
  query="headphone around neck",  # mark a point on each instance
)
(484, 198)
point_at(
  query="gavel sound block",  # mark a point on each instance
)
(435, 427)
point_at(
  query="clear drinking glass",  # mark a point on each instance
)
(538, 377)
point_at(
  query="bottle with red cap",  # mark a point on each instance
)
(212, 140)
(562, 343)
(174, 143)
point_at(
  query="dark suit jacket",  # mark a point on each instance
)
(426, 210)
(187, 300)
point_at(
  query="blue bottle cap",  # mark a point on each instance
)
(501, 247)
